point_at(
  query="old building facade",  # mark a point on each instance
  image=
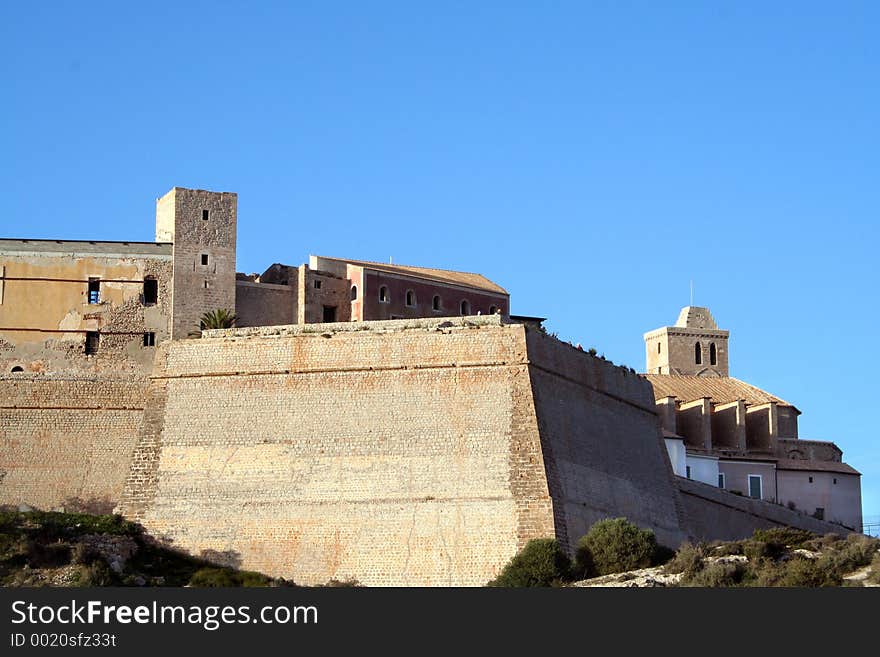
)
(727, 433)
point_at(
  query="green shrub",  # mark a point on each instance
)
(796, 572)
(688, 560)
(784, 536)
(874, 577)
(614, 545)
(540, 563)
(226, 577)
(717, 575)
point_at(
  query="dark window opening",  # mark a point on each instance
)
(317, 285)
(698, 354)
(713, 354)
(410, 298)
(465, 307)
(329, 313)
(204, 259)
(435, 302)
(19, 368)
(383, 294)
(206, 283)
(720, 480)
(94, 290)
(835, 480)
(492, 310)
(151, 291)
(811, 480)
(204, 215)
(658, 347)
(149, 339)
(354, 292)
(687, 471)
(820, 513)
(93, 338)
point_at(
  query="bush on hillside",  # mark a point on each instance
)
(614, 545)
(540, 563)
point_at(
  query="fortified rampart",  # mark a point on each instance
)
(66, 437)
(416, 452)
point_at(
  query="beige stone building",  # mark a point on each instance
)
(727, 433)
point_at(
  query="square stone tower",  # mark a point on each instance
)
(694, 346)
(202, 227)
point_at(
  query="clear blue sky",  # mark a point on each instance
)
(591, 157)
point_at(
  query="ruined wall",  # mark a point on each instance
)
(264, 304)
(45, 311)
(714, 514)
(66, 437)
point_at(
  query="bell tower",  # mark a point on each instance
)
(695, 346)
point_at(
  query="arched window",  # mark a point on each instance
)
(17, 368)
(713, 355)
(698, 354)
(465, 307)
(383, 294)
(410, 298)
(435, 302)
(151, 290)
(492, 310)
(354, 292)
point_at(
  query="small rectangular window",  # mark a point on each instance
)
(835, 480)
(317, 285)
(204, 259)
(687, 471)
(811, 480)
(204, 215)
(820, 513)
(151, 291)
(94, 290)
(93, 338)
(720, 480)
(755, 487)
(149, 339)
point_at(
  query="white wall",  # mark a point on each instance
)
(677, 455)
(703, 468)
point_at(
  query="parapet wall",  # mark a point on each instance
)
(67, 437)
(715, 514)
(395, 453)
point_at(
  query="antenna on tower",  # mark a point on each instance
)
(390, 260)
(692, 291)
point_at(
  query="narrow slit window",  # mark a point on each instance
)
(93, 339)
(151, 291)
(149, 339)
(698, 354)
(94, 290)
(713, 354)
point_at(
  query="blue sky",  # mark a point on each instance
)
(591, 157)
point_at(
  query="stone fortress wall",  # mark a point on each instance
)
(406, 452)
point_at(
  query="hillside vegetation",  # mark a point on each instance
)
(76, 549)
(615, 552)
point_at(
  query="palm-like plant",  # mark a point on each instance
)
(218, 319)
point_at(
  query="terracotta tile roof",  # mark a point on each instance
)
(468, 279)
(816, 466)
(720, 389)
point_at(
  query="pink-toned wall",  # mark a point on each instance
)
(736, 477)
(451, 298)
(838, 494)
